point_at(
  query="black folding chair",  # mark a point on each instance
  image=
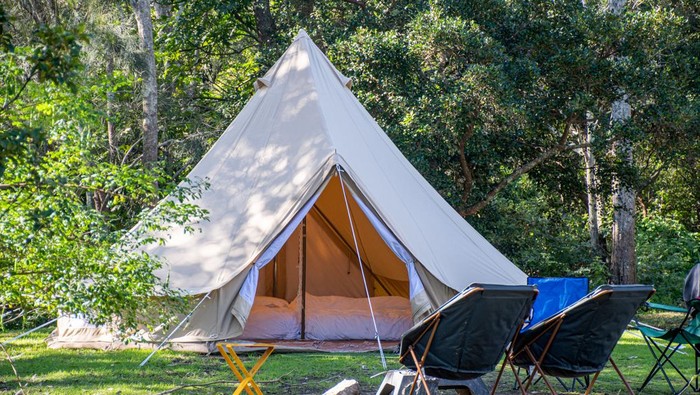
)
(579, 340)
(467, 336)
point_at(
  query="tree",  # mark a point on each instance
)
(142, 13)
(59, 254)
(623, 263)
(493, 102)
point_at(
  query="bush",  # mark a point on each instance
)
(666, 251)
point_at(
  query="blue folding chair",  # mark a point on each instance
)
(556, 294)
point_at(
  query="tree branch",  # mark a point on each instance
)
(654, 176)
(28, 78)
(4, 187)
(12, 364)
(559, 147)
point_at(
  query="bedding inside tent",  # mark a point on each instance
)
(313, 288)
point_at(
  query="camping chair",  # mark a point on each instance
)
(554, 295)
(669, 342)
(672, 340)
(467, 336)
(579, 340)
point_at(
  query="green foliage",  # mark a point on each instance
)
(537, 232)
(64, 247)
(487, 99)
(65, 209)
(666, 251)
(56, 53)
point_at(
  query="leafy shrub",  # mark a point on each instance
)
(666, 250)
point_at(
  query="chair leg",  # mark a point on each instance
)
(506, 360)
(590, 386)
(539, 370)
(696, 387)
(520, 384)
(419, 373)
(500, 373)
(662, 359)
(619, 373)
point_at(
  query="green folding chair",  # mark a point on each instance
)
(665, 344)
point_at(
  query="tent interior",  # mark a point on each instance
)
(314, 287)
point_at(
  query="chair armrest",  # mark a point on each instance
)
(665, 307)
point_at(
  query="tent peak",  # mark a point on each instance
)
(302, 34)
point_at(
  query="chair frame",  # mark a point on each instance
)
(430, 329)
(576, 380)
(552, 326)
(245, 377)
(666, 353)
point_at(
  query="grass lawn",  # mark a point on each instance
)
(46, 371)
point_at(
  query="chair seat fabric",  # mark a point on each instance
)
(675, 336)
(588, 332)
(473, 331)
(555, 294)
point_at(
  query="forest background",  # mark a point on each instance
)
(565, 131)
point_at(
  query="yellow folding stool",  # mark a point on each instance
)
(244, 376)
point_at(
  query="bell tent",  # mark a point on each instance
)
(314, 216)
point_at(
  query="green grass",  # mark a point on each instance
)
(46, 371)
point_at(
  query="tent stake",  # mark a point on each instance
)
(362, 270)
(145, 361)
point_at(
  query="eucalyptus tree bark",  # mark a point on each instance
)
(149, 85)
(623, 260)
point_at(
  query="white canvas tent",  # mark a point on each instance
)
(302, 182)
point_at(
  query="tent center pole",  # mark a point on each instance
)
(303, 279)
(274, 277)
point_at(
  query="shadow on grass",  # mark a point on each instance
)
(70, 372)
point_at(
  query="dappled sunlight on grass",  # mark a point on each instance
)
(70, 372)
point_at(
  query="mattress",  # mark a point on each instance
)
(272, 319)
(328, 318)
(343, 318)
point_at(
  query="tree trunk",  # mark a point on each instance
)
(163, 10)
(112, 142)
(304, 8)
(264, 21)
(149, 87)
(594, 209)
(623, 261)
